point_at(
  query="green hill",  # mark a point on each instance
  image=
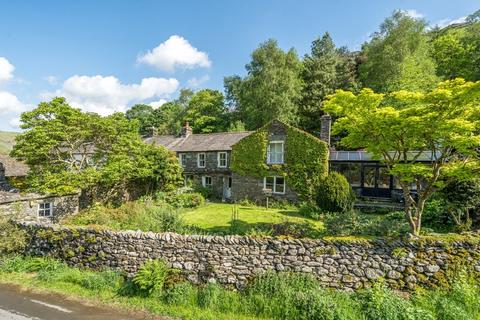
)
(7, 139)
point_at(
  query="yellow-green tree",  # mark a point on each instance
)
(402, 127)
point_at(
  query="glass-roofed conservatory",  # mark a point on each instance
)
(368, 176)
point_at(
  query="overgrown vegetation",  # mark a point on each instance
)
(282, 296)
(306, 159)
(12, 238)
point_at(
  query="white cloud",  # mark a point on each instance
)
(15, 123)
(6, 69)
(414, 14)
(9, 103)
(173, 53)
(197, 82)
(446, 22)
(51, 80)
(105, 95)
(157, 104)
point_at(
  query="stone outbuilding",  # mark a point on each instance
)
(30, 206)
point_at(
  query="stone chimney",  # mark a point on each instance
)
(186, 130)
(325, 127)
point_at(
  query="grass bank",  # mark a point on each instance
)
(269, 296)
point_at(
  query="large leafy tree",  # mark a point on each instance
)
(404, 126)
(142, 113)
(207, 112)
(320, 79)
(398, 57)
(166, 119)
(326, 69)
(271, 89)
(456, 51)
(67, 150)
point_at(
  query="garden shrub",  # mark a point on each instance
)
(135, 215)
(355, 223)
(335, 194)
(309, 210)
(152, 275)
(181, 198)
(343, 224)
(294, 229)
(382, 303)
(206, 192)
(12, 238)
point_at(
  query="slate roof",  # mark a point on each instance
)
(13, 168)
(199, 142)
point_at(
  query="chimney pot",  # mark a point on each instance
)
(186, 130)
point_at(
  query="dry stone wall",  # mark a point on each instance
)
(233, 260)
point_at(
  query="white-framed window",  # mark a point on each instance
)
(207, 181)
(182, 157)
(222, 159)
(201, 160)
(275, 152)
(275, 184)
(45, 209)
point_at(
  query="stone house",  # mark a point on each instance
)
(207, 161)
(205, 158)
(30, 206)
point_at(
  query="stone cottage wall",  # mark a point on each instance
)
(233, 260)
(27, 208)
(251, 188)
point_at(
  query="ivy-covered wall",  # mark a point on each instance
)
(306, 157)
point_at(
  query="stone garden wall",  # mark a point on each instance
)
(233, 260)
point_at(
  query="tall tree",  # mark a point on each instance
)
(441, 125)
(397, 57)
(320, 79)
(456, 51)
(143, 114)
(271, 89)
(207, 112)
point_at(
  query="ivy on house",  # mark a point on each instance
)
(306, 159)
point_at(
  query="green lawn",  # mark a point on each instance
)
(217, 218)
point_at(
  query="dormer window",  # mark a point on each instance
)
(201, 160)
(275, 152)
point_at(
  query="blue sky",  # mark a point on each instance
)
(107, 55)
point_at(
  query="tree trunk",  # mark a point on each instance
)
(413, 210)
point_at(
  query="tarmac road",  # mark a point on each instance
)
(24, 305)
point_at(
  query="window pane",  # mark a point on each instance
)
(369, 176)
(383, 178)
(280, 184)
(354, 174)
(269, 182)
